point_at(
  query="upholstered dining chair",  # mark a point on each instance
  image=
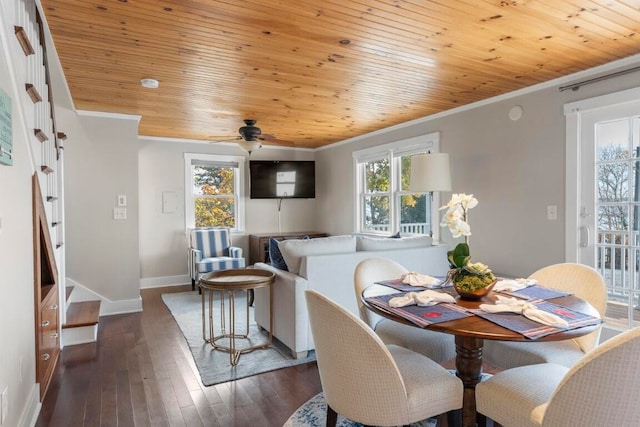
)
(435, 345)
(599, 390)
(370, 383)
(210, 250)
(582, 281)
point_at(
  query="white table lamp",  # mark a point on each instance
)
(430, 172)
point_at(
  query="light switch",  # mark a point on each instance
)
(552, 212)
(119, 213)
(122, 200)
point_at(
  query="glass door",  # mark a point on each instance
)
(609, 206)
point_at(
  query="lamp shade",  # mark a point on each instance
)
(430, 172)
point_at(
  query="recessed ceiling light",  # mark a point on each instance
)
(150, 83)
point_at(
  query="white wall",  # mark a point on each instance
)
(514, 168)
(163, 243)
(101, 162)
(17, 331)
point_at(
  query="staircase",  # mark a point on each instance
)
(82, 319)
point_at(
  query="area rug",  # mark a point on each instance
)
(213, 365)
(313, 413)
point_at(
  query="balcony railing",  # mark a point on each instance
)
(415, 228)
(618, 260)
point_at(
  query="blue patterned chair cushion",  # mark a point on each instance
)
(210, 250)
(219, 263)
(275, 256)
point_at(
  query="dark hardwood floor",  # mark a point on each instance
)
(141, 373)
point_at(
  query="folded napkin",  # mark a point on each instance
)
(423, 299)
(528, 310)
(511, 285)
(416, 279)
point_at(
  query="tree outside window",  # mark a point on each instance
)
(385, 204)
(377, 195)
(214, 191)
(214, 196)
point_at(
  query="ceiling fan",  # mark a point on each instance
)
(251, 137)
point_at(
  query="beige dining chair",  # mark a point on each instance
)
(582, 281)
(367, 382)
(436, 346)
(599, 390)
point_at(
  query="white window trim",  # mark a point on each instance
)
(415, 145)
(189, 215)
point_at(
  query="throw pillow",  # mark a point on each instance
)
(294, 250)
(382, 243)
(275, 256)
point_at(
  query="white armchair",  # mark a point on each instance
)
(600, 390)
(210, 250)
(580, 280)
(370, 383)
(436, 346)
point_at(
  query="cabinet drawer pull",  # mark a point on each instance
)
(54, 307)
(46, 356)
(53, 335)
(45, 323)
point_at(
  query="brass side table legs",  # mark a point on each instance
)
(228, 311)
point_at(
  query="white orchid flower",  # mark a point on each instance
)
(468, 201)
(461, 229)
(452, 216)
(456, 216)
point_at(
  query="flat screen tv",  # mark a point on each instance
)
(280, 179)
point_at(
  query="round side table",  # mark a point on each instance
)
(227, 283)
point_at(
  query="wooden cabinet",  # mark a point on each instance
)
(259, 243)
(48, 335)
(46, 310)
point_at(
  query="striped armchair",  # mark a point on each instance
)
(210, 250)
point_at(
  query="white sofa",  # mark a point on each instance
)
(327, 265)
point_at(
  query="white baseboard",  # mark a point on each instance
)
(107, 307)
(161, 282)
(31, 408)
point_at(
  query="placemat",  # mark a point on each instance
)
(534, 330)
(421, 316)
(536, 292)
(404, 287)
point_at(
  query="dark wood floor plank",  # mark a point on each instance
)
(141, 372)
(156, 411)
(109, 406)
(123, 399)
(191, 416)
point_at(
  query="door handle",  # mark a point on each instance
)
(584, 236)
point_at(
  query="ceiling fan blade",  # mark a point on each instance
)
(225, 138)
(270, 138)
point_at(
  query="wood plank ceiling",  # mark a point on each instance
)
(313, 72)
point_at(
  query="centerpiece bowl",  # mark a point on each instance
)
(475, 294)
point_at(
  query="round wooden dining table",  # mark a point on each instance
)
(470, 333)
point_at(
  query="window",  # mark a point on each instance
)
(214, 191)
(384, 203)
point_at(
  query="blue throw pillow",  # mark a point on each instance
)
(275, 256)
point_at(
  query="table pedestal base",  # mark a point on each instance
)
(211, 338)
(469, 370)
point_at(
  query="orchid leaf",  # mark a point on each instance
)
(459, 256)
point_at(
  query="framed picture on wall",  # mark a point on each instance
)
(6, 135)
